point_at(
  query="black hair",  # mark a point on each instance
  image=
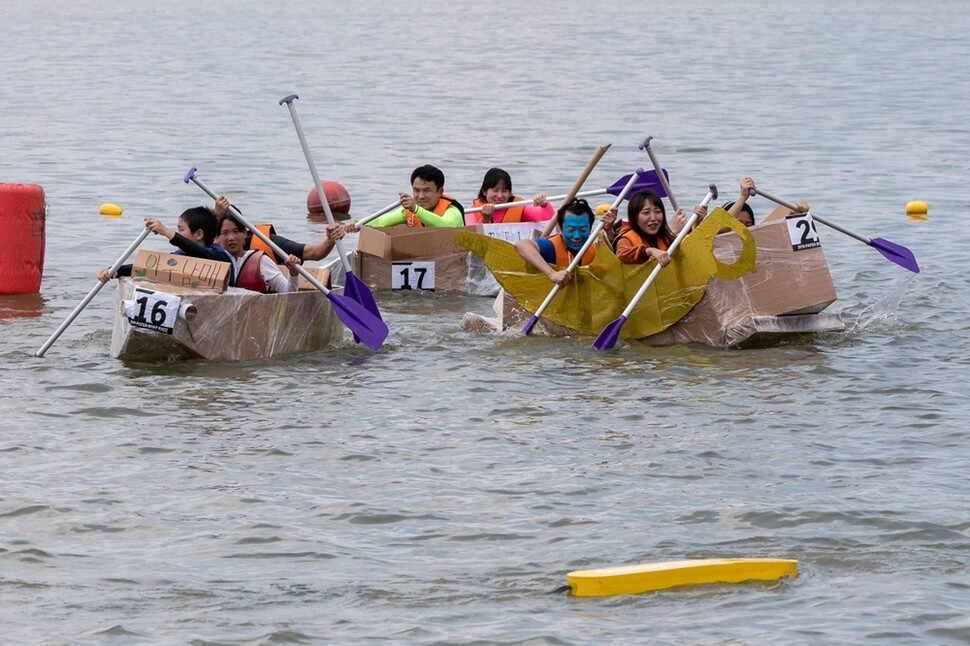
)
(494, 177)
(201, 217)
(429, 174)
(575, 207)
(637, 200)
(744, 207)
(232, 218)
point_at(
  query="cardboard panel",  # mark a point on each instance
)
(181, 271)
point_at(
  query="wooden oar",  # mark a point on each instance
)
(369, 328)
(607, 338)
(894, 252)
(579, 254)
(571, 195)
(374, 216)
(91, 294)
(354, 287)
(647, 180)
(645, 145)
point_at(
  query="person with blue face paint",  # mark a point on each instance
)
(552, 255)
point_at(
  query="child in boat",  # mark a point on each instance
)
(427, 207)
(302, 250)
(646, 234)
(497, 189)
(254, 269)
(195, 237)
(575, 220)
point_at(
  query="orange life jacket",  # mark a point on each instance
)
(637, 241)
(256, 244)
(512, 214)
(249, 276)
(439, 209)
(564, 256)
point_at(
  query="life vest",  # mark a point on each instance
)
(249, 276)
(564, 256)
(439, 209)
(256, 243)
(511, 214)
(628, 234)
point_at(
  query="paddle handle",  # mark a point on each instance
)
(832, 225)
(321, 194)
(711, 195)
(571, 195)
(374, 216)
(190, 176)
(91, 294)
(645, 145)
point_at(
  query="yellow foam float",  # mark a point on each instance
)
(110, 210)
(650, 577)
(917, 210)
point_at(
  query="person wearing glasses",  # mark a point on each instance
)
(553, 255)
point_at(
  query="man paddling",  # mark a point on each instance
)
(428, 206)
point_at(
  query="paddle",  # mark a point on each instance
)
(354, 287)
(647, 180)
(374, 216)
(661, 176)
(894, 252)
(607, 338)
(369, 328)
(91, 294)
(597, 155)
(579, 254)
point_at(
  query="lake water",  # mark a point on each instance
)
(438, 490)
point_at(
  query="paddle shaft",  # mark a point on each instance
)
(792, 207)
(673, 247)
(660, 175)
(316, 176)
(259, 234)
(571, 195)
(589, 241)
(91, 294)
(554, 198)
(374, 216)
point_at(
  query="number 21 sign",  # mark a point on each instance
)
(802, 231)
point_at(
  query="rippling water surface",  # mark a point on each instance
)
(439, 490)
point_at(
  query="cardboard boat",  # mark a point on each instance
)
(428, 259)
(187, 311)
(762, 282)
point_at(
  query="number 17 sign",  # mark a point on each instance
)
(412, 275)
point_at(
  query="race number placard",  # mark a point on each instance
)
(412, 275)
(802, 231)
(153, 310)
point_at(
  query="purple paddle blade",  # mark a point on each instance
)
(647, 179)
(368, 328)
(897, 253)
(607, 338)
(356, 290)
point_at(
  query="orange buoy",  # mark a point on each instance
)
(23, 211)
(337, 197)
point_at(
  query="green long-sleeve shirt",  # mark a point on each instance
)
(452, 217)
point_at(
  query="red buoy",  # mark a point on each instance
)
(23, 211)
(337, 197)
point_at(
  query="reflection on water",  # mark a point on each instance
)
(21, 306)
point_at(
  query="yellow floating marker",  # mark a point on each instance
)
(110, 210)
(648, 577)
(916, 210)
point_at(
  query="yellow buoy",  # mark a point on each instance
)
(916, 210)
(648, 577)
(602, 208)
(110, 210)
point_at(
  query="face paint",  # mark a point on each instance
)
(575, 231)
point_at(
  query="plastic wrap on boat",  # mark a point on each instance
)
(235, 325)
